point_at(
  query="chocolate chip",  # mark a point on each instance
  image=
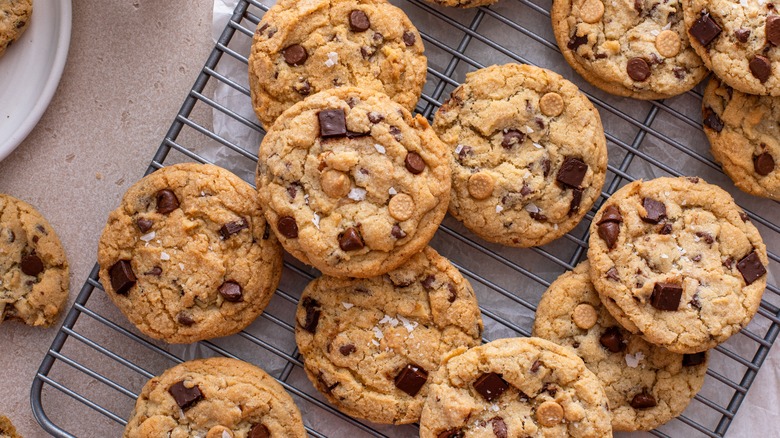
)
(576, 41)
(358, 21)
(295, 54)
(409, 38)
(638, 69)
(665, 229)
(572, 172)
(609, 232)
(396, 133)
(333, 123)
(760, 67)
(411, 379)
(155, 271)
(695, 299)
(612, 340)
(414, 163)
(535, 215)
(287, 227)
(231, 228)
(185, 319)
(696, 258)
(707, 237)
(638, 6)
(705, 29)
(499, 427)
(185, 397)
(452, 433)
(728, 263)
(772, 30)
(262, 28)
(292, 189)
(166, 201)
(453, 293)
(375, 117)
(312, 307)
(535, 366)
(327, 388)
(763, 164)
(353, 134)
(742, 34)
(643, 400)
(712, 120)
(526, 190)
(576, 344)
(743, 216)
(612, 274)
(122, 277)
(378, 38)
(427, 282)
(348, 349)
(231, 291)
(350, 240)
(144, 224)
(32, 265)
(691, 360)
(576, 199)
(304, 89)
(656, 210)
(397, 232)
(259, 431)
(511, 138)
(550, 388)
(490, 386)
(666, 296)
(751, 267)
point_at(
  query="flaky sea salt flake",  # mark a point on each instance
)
(333, 58)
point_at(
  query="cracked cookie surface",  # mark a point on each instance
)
(744, 135)
(14, 19)
(214, 398)
(304, 47)
(646, 385)
(354, 184)
(369, 345)
(677, 261)
(633, 48)
(188, 254)
(528, 154)
(738, 41)
(34, 274)
(515, 387)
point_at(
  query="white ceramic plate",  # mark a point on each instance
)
(30, 70)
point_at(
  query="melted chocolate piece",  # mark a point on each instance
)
(231, 291)
(348, 349)
(490, 386)
(612, 340)
(638, 69)
(499, 427)
(185, 397)
(350, 240)
(287, 227)
(312, 307)
(512, 137)
(358, 21)
(763, 164)
(32, 265)
(122, 277)
(691, 360)
(166, 201)
(231, 228)
(712, 120)
(409, 38)
(656, 210)
(259, 431)
(295, 55)
(761, 67)
(414, 163)
(572, 172)
(643, 400)
(144, 224)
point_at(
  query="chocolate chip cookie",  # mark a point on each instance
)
(677, 261)
(518, 387)
(369, 345)
(745, 138)
(7, 429)
(188, 254)
(34, 280)
(646, 385)
(14, 19)
(214, 398)
(528, 154)
(353, 183)
(737, 41)
(637, 49)
(303, 47)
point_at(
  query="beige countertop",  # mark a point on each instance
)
(130, 65)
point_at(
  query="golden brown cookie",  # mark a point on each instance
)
(14, 19)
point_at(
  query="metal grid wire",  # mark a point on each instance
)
(97, 352)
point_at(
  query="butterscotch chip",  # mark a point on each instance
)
(551, 104)
(334, 183)
(668, 43)
(549, 414)
(401, 206)
(584, 316)
(591, 11)
(481, 185)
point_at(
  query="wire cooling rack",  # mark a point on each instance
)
(98, 353)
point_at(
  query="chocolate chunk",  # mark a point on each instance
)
(742, 34)
(185, 319)
(707, 237)
(427, 282)
(348, 349)
(772, 30)
(643, 400)
(185, 397)
(526, 190)
(144, 224)
(259, 431)
(751, 267)
(295, 54)
(572, 172)
(231, 228)
(550, 388)
(728, 263)
(705, 29)
(452, 433)
(122, 277)
(763, 164)
(287, 227)
(333, 123)
(760, 67)
(166, 201)
(712, 120)
(304, 89)
(358, 21)
(609, 232)
(490, 386)
(576, 199)
(665, 229)
(743, 216)
(155, 271)
(409, 38)
(576, 41)
(511, 138)
(414, 163)
(411, 379)
(666, 296)
(395, 132)
(231, 291)
(499, 427)
(375, 117)
(535, 366)
(397, 232)
(453, 293)
(350, 240)
(612, 274)
(611, 214)
(612, 340)
(691, 360)
(638, 69)
(312, 307)
(32, 265)
(656, 210)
